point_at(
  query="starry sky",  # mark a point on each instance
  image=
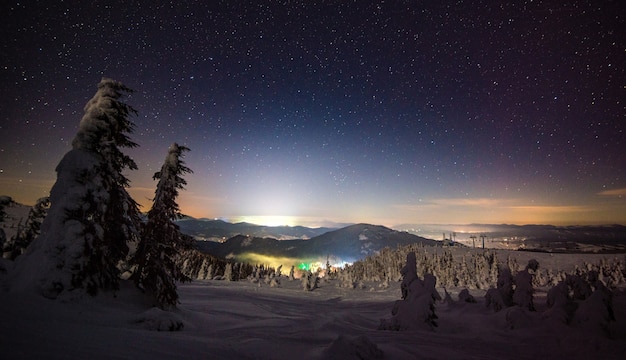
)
(309, 112)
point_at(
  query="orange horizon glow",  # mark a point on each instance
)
(609, 208)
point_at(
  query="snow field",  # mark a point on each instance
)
(242, 320)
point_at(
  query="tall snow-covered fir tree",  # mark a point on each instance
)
(92, 218)
(161, 240)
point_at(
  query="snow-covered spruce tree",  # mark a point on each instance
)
(228, 272)
(523, 294)
(4, 201)
(502, 296)
(161, 240)
(597, 311)
(310, 281)
(29, 231)
(561, 306)
(92, 218)
(291, 273)
(416, 310)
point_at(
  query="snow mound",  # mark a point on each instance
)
(346, 348)
(159, 320)
(518, 318)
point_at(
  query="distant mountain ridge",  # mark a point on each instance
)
(219, 230)
(349, 244)
(550, 238)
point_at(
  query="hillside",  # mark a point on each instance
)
(344, 245)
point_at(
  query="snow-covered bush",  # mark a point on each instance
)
(465, 296)
(159, 320)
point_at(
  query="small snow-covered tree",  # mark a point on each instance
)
(561, 307)
(416, 310)
(505, 285)
(228, 272)
(92, 218)
(523, 294)
(291, 273)
(409, 274)
(310, 281)
(161, 240)
(4, 201)
(209, 272)
(30, 230)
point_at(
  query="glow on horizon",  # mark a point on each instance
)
(605, 207)
(268, 220)
(447, 211)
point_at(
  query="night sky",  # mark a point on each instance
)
(300, 112)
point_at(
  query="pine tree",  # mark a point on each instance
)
(291, 273)
(228, 272)
(4, 201)
(161, 239)
(523, 294)
(92, 218)
(30, 230)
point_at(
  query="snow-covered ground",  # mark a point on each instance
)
(245, 320)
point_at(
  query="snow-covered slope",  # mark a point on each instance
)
(246, 320)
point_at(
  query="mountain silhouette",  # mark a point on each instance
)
(349, 243)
